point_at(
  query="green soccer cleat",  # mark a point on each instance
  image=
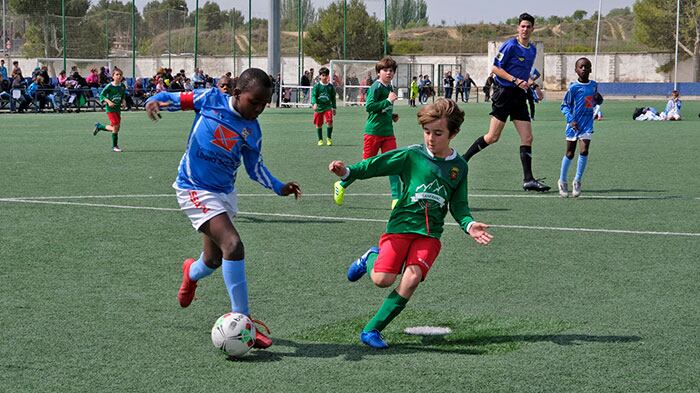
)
(338, 193)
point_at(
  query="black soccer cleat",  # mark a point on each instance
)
(535, 185)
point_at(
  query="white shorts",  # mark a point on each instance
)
(585, 135)
(200, 205)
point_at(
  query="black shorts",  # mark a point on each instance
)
(509, 101)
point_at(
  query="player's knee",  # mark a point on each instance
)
(570, 154)
(232, 249)
(382, 281)
(526, 140)
(411, 278)
(583, 152)
(492, 138)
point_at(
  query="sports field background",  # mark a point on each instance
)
(592, 294)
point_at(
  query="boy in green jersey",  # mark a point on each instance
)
(113, 96)
(379, 130)
(323, 102)
(435, 179)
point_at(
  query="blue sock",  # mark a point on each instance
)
(236, 285)
(199, 270)
(582, 161)
(565, 162)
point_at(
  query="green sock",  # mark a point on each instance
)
(329, 132)
(392, 306)
(395, 183)
(115, 140)
(101, 127)
(371, 258)
(319, 131)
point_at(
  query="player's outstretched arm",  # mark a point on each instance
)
(153, 109)
(291, 188)
(477, 230)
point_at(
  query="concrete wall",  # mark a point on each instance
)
(557, 69)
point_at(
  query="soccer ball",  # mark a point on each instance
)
(234, 334)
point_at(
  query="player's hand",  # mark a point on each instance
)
(153, 110)
(291, 188)
(574, 125)
(395, 117)
(315, 106)
(392, 97)
(337, 167)
(478, 232)
(333, 111)
(522, 84)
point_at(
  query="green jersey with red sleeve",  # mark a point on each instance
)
(431, 187)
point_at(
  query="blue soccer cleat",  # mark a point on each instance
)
(373, 339)
(358, 268)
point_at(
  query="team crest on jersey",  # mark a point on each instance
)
(454, 172)
(433, 191)
(245, 133)
(521, 58)
(588, 102)
(224, 138)
(499, 56)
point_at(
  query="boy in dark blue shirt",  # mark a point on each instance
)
(511, 68)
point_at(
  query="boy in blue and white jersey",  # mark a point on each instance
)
(224, 134)
(673, 107)
(577, 107)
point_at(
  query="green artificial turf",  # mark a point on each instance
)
(593, 294)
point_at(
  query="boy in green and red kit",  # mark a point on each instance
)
(435, 179)
(323, 102)
(113, 95)
(379, 130)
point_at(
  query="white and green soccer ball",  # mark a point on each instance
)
(234, 334)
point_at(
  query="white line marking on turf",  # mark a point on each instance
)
(270, 194)
(594, 230)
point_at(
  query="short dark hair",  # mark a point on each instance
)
(386, 62)
(527, 17)
(582, 59)
(324, 71)
(253, 77)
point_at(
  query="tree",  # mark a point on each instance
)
(655, 25)
(51, 7)
(365, 34)
(407, 13)
(579, 15)
(290, 14)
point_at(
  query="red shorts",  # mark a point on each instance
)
(374, 143)
(320, 117)
(399, 249)
(115, 118)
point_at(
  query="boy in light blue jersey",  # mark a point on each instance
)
(224, 134)
(578, 105)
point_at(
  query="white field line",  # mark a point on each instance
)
(357, 219)
(271, 194)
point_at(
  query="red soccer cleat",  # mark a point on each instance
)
(186, 293)
(262, 340)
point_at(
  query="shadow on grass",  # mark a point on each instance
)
(426, 344)
(257, 220)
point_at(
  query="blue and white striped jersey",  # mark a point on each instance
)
(219, 139)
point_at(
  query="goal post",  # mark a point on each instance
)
(353, 75)
(294, 96)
